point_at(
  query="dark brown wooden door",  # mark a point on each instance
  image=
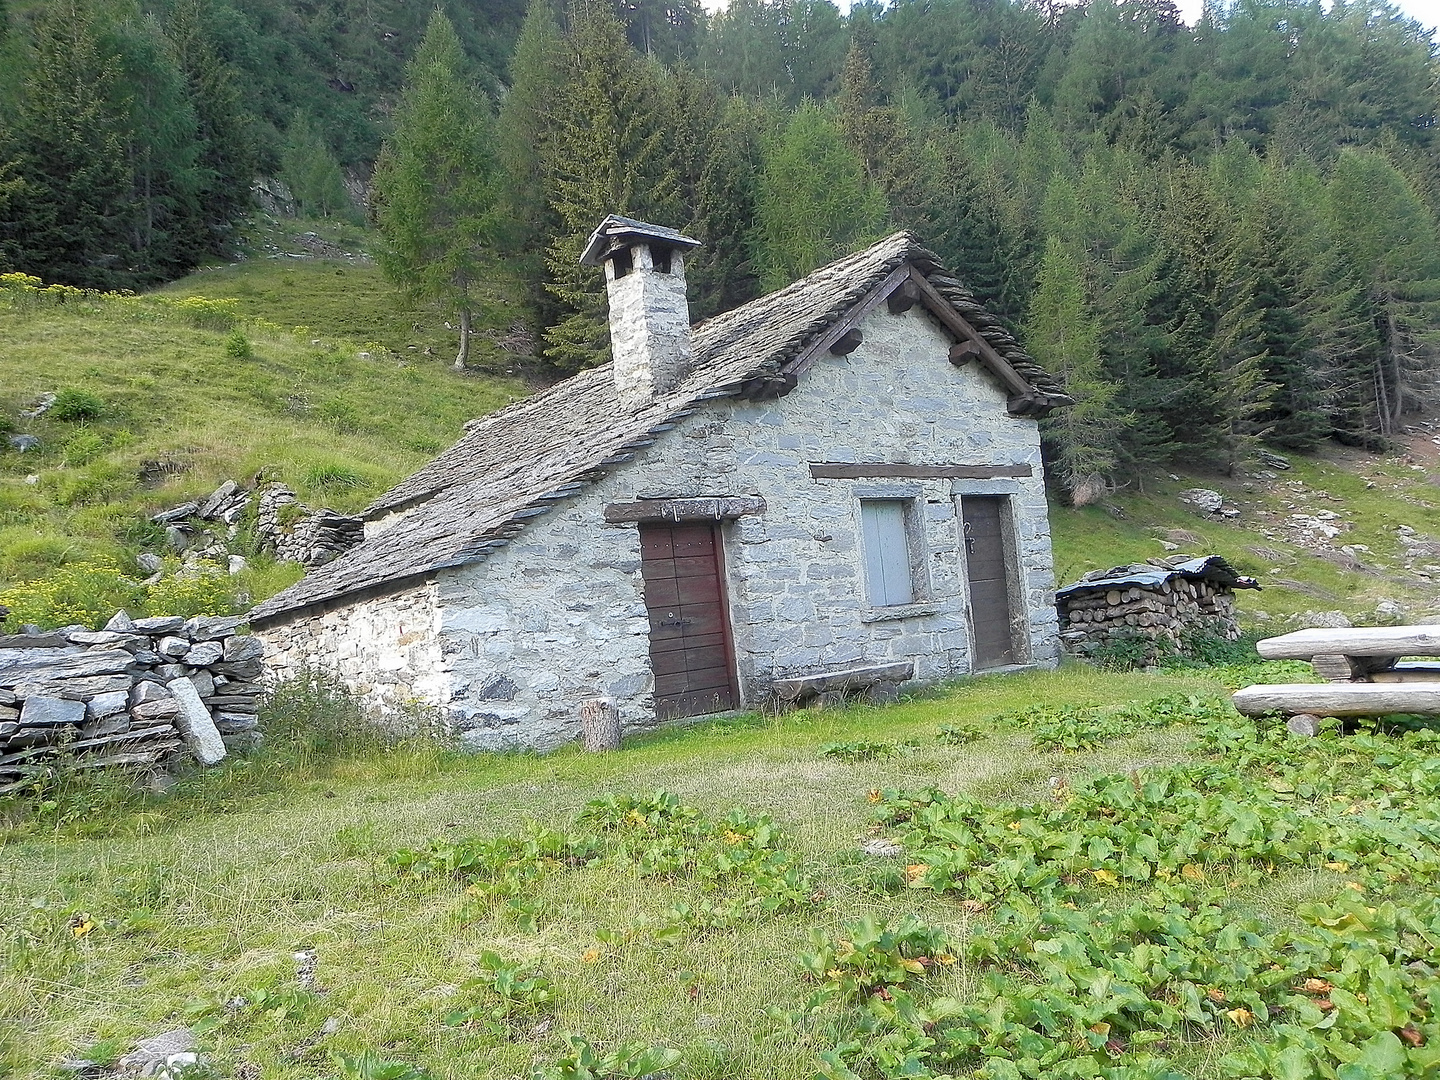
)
(690, 646)
(982, 524)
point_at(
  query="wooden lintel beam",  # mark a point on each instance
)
(848, 342)
(701, 508)
(882, 470)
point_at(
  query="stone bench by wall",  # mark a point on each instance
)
(136, 694)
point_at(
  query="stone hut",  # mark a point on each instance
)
(833, 488)
(1161, 600)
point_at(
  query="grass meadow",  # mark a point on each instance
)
(126, 915)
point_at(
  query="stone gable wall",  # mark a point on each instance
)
(385, 648)
(558, 618)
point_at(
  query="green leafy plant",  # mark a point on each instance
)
(867, 955)
(237, 345)
(859, 750)
(628, 1061)
(507, 993)
(959, 734)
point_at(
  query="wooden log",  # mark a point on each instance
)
(1335, 667)
(1340, 699)
(1409, 671)
(1353, 641)
(600, 725)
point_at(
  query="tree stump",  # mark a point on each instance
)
(600, 725)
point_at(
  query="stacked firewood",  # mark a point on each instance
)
(135, 694)
(1093, 618)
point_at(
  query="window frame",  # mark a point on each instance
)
(911, 533)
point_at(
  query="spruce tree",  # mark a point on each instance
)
(67, 221)
(225, 129)
(523, 124)
(607, 150)
(1082, 441)
(310, 168)
(435, 187)
(815, 202)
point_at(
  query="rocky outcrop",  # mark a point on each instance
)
(137, 694)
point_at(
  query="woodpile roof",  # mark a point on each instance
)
(516, 463)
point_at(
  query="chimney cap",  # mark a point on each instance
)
(616, 231)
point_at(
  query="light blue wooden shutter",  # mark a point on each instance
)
(887, 553)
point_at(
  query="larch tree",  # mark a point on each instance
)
(435, 186)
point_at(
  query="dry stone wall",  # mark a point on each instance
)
(139, 693)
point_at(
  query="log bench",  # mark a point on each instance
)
(1363, 669)
(880, 682)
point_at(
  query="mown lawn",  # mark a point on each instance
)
(439, 947)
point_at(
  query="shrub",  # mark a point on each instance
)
(76, 406)
(205, 592)
(85, 593)
(333, 476)
(238, 347)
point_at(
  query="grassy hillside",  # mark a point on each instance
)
(188, 393)
(1326, 534)
(1160, 885)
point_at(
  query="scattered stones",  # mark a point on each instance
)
(1329, 620)
(882, 848)
(1203, 499)
(1307, 724)
(149, 563)
(152, 1055)
(23, 444)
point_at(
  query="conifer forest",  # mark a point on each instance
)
(1214, 234)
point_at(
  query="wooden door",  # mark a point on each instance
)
(982, 521)
(690, 646)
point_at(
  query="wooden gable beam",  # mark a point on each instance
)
(868, 303)
(958, 325)
(901, 289)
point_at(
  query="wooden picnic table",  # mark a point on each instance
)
(1364, 667)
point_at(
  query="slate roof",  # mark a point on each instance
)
(1212, 568)
(514, 464)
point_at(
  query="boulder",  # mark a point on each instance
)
(159, 624)
(173, 647)
(107, 704)
(245, 647)
(212, 627)
(121, 622)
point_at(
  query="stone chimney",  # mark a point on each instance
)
(649, 317)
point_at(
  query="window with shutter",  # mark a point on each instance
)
(887, 552)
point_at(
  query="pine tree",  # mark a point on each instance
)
(606, 151)
(67, 221)
(720, 274)
(523, 123)
(165, 227)
(228, 153)
(435, 190)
